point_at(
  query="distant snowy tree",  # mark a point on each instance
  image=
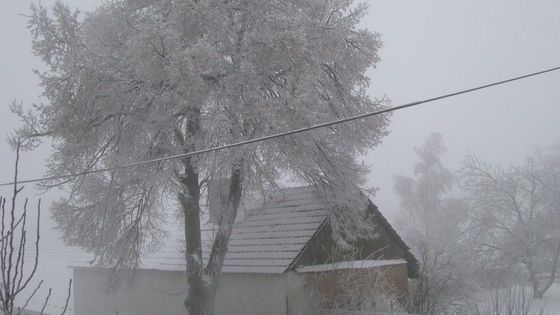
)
(515, 219)
(136, 80)
(431, 222)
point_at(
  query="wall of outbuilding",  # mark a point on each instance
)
(150, 293)
(362, 283)
(162, 292)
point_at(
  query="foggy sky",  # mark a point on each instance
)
(435, 47)
(430, 48)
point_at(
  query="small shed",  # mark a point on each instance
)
(272, 254)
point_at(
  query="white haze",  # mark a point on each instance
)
(430, 48)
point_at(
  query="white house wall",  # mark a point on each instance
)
(162, 292)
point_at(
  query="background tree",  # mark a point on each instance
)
(515, 216)
(135, 80)
(430, 221)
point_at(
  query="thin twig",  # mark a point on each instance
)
(46, 301)
(67, 297)
(32, 294)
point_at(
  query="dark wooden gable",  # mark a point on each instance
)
(323, 249)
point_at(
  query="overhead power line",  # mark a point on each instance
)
(287, 133)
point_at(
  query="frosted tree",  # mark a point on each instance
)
(515, 216)
(431, 219)
(136, 80)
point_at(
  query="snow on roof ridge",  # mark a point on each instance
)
(353, 264)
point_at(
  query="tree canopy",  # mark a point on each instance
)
(431, 219)
(136, 80)
(514, 217)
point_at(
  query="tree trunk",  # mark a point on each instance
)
(539, 293)
(225, 226)
(533, 278)
(189, 200)
(203, 283)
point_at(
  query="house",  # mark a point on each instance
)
(274, 252)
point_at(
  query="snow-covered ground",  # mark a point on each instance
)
(518, 301)
(550, 303)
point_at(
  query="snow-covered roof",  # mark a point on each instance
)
(355, 264)
(273, 234)
(267, 240)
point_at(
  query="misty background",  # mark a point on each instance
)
(430, 48)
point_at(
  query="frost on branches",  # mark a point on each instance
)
(133, 81)
(515, 217)
(431, 218)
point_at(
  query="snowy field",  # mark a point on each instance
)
(550, 304)
(517, 301)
